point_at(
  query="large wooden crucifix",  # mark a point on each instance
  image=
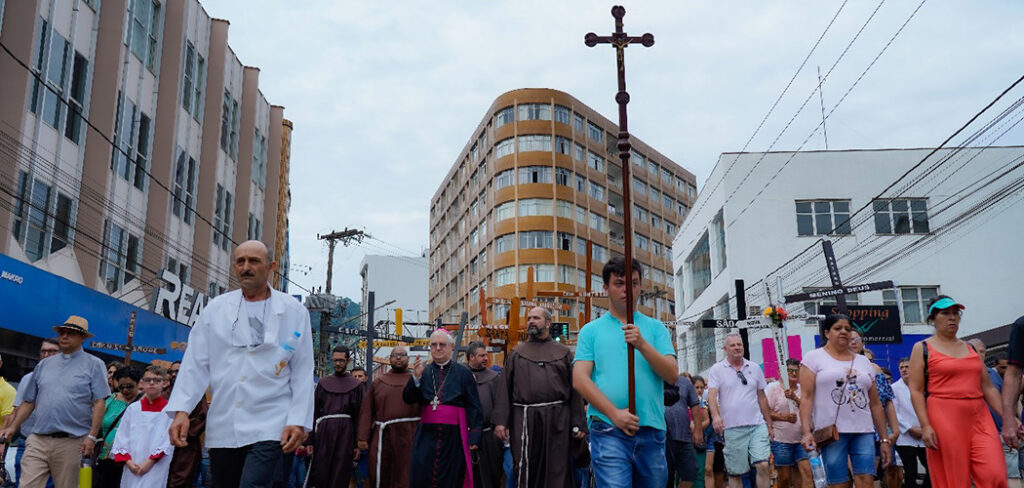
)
(620, 41)
(129, 346)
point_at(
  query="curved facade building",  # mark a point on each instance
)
(539, 177)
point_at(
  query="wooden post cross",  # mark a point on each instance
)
(129, 346)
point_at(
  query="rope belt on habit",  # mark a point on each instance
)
(525, 438)
(315, 425)
(380, 438)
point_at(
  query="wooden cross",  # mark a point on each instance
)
(620, 41)
(128, 346)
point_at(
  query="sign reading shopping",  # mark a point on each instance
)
(877, 324)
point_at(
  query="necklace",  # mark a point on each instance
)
(437, 388)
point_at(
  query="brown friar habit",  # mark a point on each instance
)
(538, 378)
(383, 403)
(186, 459)
(487, 460)
(334, 438)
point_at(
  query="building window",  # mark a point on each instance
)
(563, 176)
(229, 120)
(222, 218)
(652, 169)
(595, 161)
(255, 230)
(535, 206)
(670, 228)
(667, 202)
(564, 241)
(534, 142)
(642, 241)
(581, 183)
(505, 276)
(42, 229)
(534, 111)
(503, 179)
(655, 221)
(598, 254)
(594, 132)
(121, 257)
(503, 116)
(577, 122)
(536, 239)
(579, 153)
(506, 210)
(822, 217)
(666, 176)
(188, 77)
(657, 248)
(184, 187)
(504, 147)
(597, 191)
(145, 31)
(541, 273)
(639, 186)
(902, 216)
(914, 300)
(718, 235)
(56, 75)
(581, 215)
(563, 145)
(534, 174)
(259, 159)
(641, 214)
(699, 266)
(598, 222)
(562, 114)
(76, 99)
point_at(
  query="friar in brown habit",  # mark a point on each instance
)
(387, 424)
(336, 403)
(487, 469)
(186, 460)
(544, 413)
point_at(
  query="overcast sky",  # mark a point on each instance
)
(385, 94)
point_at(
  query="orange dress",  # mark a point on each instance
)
(969, 447)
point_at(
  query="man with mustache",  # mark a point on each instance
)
(544, 413)
(253, 349)
(387, 424)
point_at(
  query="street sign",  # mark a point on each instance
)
(838, 291)
(572, 294)
(389, 343)
(754, 323)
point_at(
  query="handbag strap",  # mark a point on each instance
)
(924, 352)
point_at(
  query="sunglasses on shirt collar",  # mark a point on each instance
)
(742, 378)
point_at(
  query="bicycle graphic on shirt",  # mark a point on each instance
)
(847, 391)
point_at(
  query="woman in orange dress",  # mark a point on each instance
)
(963, 445)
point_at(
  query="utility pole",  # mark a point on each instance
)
(326, 300)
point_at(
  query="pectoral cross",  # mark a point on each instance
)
(435, 402)
(620, 41)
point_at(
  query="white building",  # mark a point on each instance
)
(399, 278)
(951, 226)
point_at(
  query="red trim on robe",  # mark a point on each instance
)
(154, 406)
(122, 458)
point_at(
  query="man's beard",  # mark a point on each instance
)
(533, 331)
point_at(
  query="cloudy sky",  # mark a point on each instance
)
(385, 94)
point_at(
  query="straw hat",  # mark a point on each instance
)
(77, 324)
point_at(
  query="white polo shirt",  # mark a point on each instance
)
(737, 402)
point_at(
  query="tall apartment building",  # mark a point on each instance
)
(133, 140)
(539, 176)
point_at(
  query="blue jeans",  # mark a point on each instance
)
(297, 477)
(620, 460)
(851, 450)
(787, 454)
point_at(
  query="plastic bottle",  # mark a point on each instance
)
(817, 469)
(286, 351)
(85, 473)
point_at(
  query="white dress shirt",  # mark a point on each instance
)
(256, 390)
(905, 414)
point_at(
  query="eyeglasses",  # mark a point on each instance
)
(793, 371)
(151, 380)
(742, 378)
(439, 344)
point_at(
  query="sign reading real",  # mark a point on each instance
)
(176, 301)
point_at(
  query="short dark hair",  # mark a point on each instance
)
(902, 360)
(116, 365)
(128, 372)
(358, 369)
(885, 371)
(617, 266)
(51, 340)
(699, 378)
(175, 362)
(832, 318)
(792, 362)
(343, 349)
(472, 348)
(932, 313)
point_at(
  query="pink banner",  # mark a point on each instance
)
(770, 358)
(795, 349)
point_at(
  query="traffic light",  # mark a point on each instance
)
(559, 331)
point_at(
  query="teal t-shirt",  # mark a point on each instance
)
(603, 342)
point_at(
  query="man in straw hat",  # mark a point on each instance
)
(67, 393)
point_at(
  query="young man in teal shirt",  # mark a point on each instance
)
(626, 449)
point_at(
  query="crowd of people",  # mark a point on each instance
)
(548, 417)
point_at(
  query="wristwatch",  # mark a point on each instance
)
(885, 441)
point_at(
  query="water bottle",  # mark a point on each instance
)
(286, 351)
(85, 473)
(817, 469)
